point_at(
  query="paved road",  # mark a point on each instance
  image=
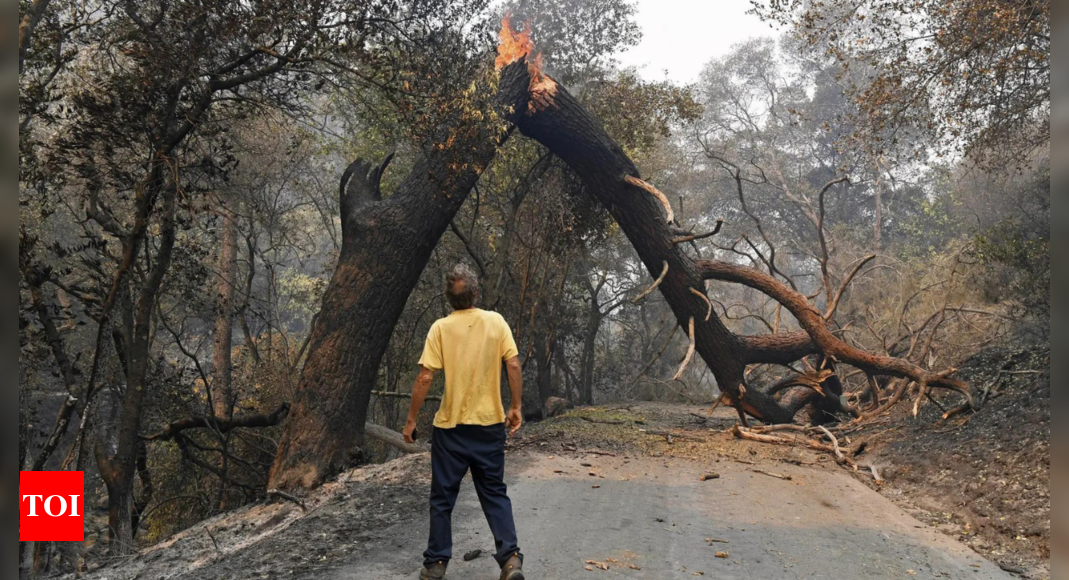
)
(656, 515)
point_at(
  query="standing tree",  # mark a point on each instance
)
(386, 243)
(128, 157)
(972, 74)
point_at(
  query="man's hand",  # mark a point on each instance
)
(513, 420)
(410, 426)
(419, 393)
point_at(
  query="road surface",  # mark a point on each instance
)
(644, 517)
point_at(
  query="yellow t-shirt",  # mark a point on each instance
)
(470, 345)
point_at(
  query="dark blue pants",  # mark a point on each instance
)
(454, 451)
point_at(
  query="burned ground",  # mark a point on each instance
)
(982, 479)
(985, 477)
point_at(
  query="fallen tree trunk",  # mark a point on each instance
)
(393, 439)
(386, 243)
(571, 132)
(558, 121)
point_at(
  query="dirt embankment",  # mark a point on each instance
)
(983, 478)
(335, 524)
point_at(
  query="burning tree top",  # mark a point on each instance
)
(515, 45)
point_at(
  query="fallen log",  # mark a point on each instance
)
(565, 127)
(393, 439)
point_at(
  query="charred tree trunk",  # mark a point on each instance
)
(386, 242)
(543, 370)
(586, 370)
(561, 124)
(557, 120)
(222, 367)
(118, 462)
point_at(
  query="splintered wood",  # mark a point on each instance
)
(670, 215)
(690, 351)
(708, 303)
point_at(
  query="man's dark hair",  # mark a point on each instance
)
(461, 287)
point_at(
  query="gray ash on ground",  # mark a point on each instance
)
(342, 523)
(983, 477)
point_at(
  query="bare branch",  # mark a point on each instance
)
(708, 303)
(656, 283)
(655, 193)
(220, 425)
(834, 302)
(822, 237)
(693, 237)
(690, 351)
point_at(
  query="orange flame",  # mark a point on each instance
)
(514, 45)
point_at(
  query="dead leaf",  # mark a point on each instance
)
(721, 554)
(598, 565)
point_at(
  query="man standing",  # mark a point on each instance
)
(469, 428)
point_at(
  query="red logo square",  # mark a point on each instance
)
(51, 506)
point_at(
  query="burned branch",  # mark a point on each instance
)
(695, 237)
(705, 298)
(656, 283)
(221, 425)
(645, 186)
(690, 351)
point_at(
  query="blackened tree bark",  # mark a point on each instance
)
(586, 358)
(118, 466)
(386, 243)
(222, 365)
(560, 123)
(543, 355)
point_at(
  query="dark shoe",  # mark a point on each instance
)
(513, 569)
(435, 572)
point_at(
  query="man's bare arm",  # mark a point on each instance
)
(419, 394)
(514, 418)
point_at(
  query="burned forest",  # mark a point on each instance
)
(819, 251)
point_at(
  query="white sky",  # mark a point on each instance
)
(680, 36)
